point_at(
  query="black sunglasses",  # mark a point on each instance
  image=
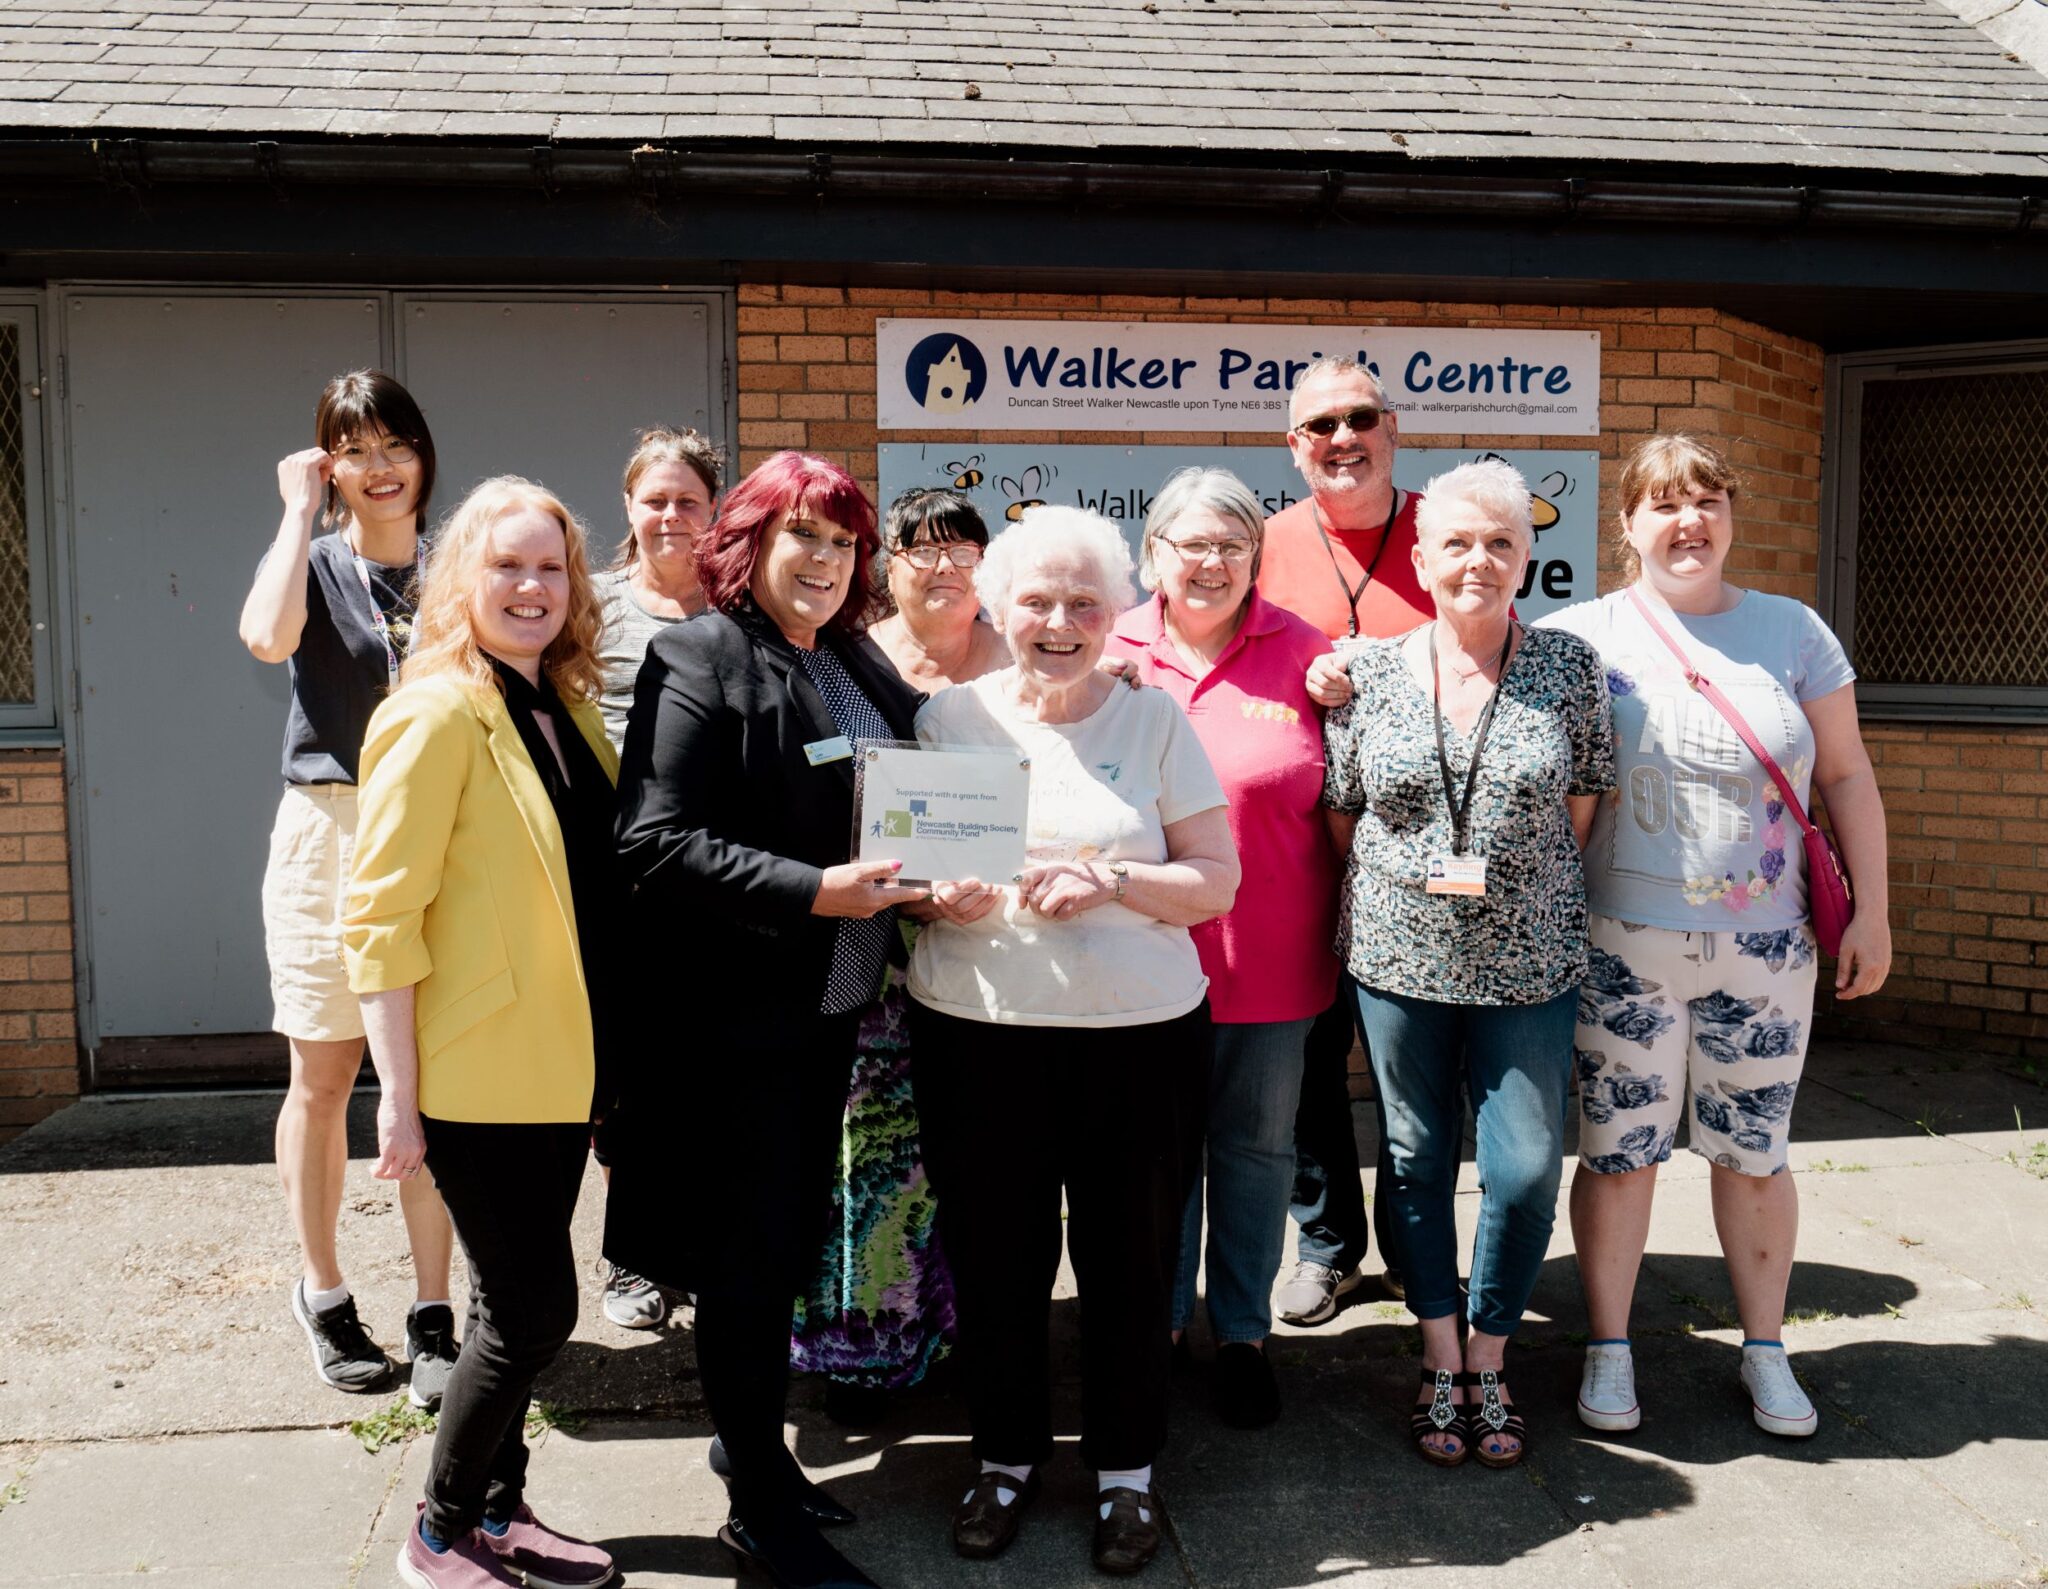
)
(1360, 420)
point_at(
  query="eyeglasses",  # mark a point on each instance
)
(961, 554)
(394, 449)
(1197, 552)
(1360, 420)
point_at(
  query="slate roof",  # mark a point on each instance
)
(1878, 85)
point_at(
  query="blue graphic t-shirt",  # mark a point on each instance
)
(1695, 837)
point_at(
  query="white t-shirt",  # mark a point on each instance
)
(1696, 838)
(1102, 789)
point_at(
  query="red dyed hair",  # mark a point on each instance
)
(728, 551)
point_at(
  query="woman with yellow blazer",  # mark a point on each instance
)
(479, 916)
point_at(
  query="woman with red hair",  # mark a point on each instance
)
(736, 819)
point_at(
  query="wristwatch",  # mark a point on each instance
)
(1122, 873)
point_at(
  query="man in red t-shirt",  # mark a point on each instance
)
(1341, 559)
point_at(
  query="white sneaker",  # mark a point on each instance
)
(1780, 1406)
(1607, 1388)
(1311, 1292)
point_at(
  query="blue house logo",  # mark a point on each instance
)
(946, 373)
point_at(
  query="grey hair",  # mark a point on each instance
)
(1044, 530)
(1188, 490)
(1494, 487)
(1332, 364)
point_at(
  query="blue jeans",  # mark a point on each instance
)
(1516, 1061)
(1254, 1089)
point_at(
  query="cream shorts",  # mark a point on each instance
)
(1710, 1025)
(312, 848)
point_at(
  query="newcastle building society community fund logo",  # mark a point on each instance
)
(946, 373)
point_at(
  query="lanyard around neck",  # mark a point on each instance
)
(1461, 810)
(378, 623)
(1352, 597)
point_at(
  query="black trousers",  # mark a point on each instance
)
(1013, 1115)
(511, 1191)
(776, 1129)
(1329, 1203)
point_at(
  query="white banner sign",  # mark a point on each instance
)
(1118, 483)
(989, 375)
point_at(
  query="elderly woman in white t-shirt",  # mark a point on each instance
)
(1060, 1027)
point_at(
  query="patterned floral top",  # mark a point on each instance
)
(1524, 940)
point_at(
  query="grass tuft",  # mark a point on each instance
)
(390, 1426)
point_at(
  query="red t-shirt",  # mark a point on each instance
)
(1269, 959)
(1295, 573)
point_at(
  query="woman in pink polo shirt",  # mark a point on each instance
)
(1237, 665)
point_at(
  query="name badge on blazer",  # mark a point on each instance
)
(820, 751)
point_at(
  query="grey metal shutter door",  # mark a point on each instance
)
(178, 409)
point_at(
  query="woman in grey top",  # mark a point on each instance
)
(1471, 757)
(671, 486)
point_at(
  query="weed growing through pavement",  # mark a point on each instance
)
(1933, 1120)
(1812, 1316)
(12, 1493)
(1716, 1311)
(544, 1417)
(1830, 1167)
(391, 1426)
(1893, 1311)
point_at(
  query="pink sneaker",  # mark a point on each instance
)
(546, 1559)
(466, 1564)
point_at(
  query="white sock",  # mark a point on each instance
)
(1139, 1479)
(438, 1302)
(1004, 1494)
(321, 1301)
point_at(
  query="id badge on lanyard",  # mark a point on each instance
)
(1453, 871)
(379, 624)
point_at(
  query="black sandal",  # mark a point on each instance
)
(1486, 1414)
(1440, 1417)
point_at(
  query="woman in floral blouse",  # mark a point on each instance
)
(1471, 756)
(1700, 997)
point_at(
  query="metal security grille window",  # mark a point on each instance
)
(1940, 518)
(17, 632)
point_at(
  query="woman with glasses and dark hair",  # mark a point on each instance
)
(1236, 663)
(736, 817)
(879, 1311)
(339, 609)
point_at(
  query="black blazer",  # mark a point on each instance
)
(725, 826)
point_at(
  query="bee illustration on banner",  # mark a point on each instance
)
(1026, 489)
(1543, 511)
(966, 474)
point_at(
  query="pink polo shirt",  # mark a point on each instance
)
(1270, 958)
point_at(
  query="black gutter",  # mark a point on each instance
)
(137, 165)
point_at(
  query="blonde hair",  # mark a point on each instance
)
(443, 635)
(1674, 461)
(669, 444)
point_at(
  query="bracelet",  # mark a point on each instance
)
(1121, 873)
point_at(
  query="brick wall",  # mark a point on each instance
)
(39, 1060)
(807, 379)
(1967, 811)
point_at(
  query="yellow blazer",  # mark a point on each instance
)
(461, 887)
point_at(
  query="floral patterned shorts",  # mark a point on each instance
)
(1718, 1021)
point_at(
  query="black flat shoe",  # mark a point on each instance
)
(791, 1554)
(1126, 1539)
(812, 1500)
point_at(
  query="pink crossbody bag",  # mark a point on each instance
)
(1827, 884)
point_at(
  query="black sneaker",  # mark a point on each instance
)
(343, 1353)
(1246, 1397)
(431, 1348)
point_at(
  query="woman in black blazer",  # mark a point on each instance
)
(736, 822)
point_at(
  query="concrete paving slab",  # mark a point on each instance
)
(171, 1205)
(1987, 1221)
(275, 1508)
